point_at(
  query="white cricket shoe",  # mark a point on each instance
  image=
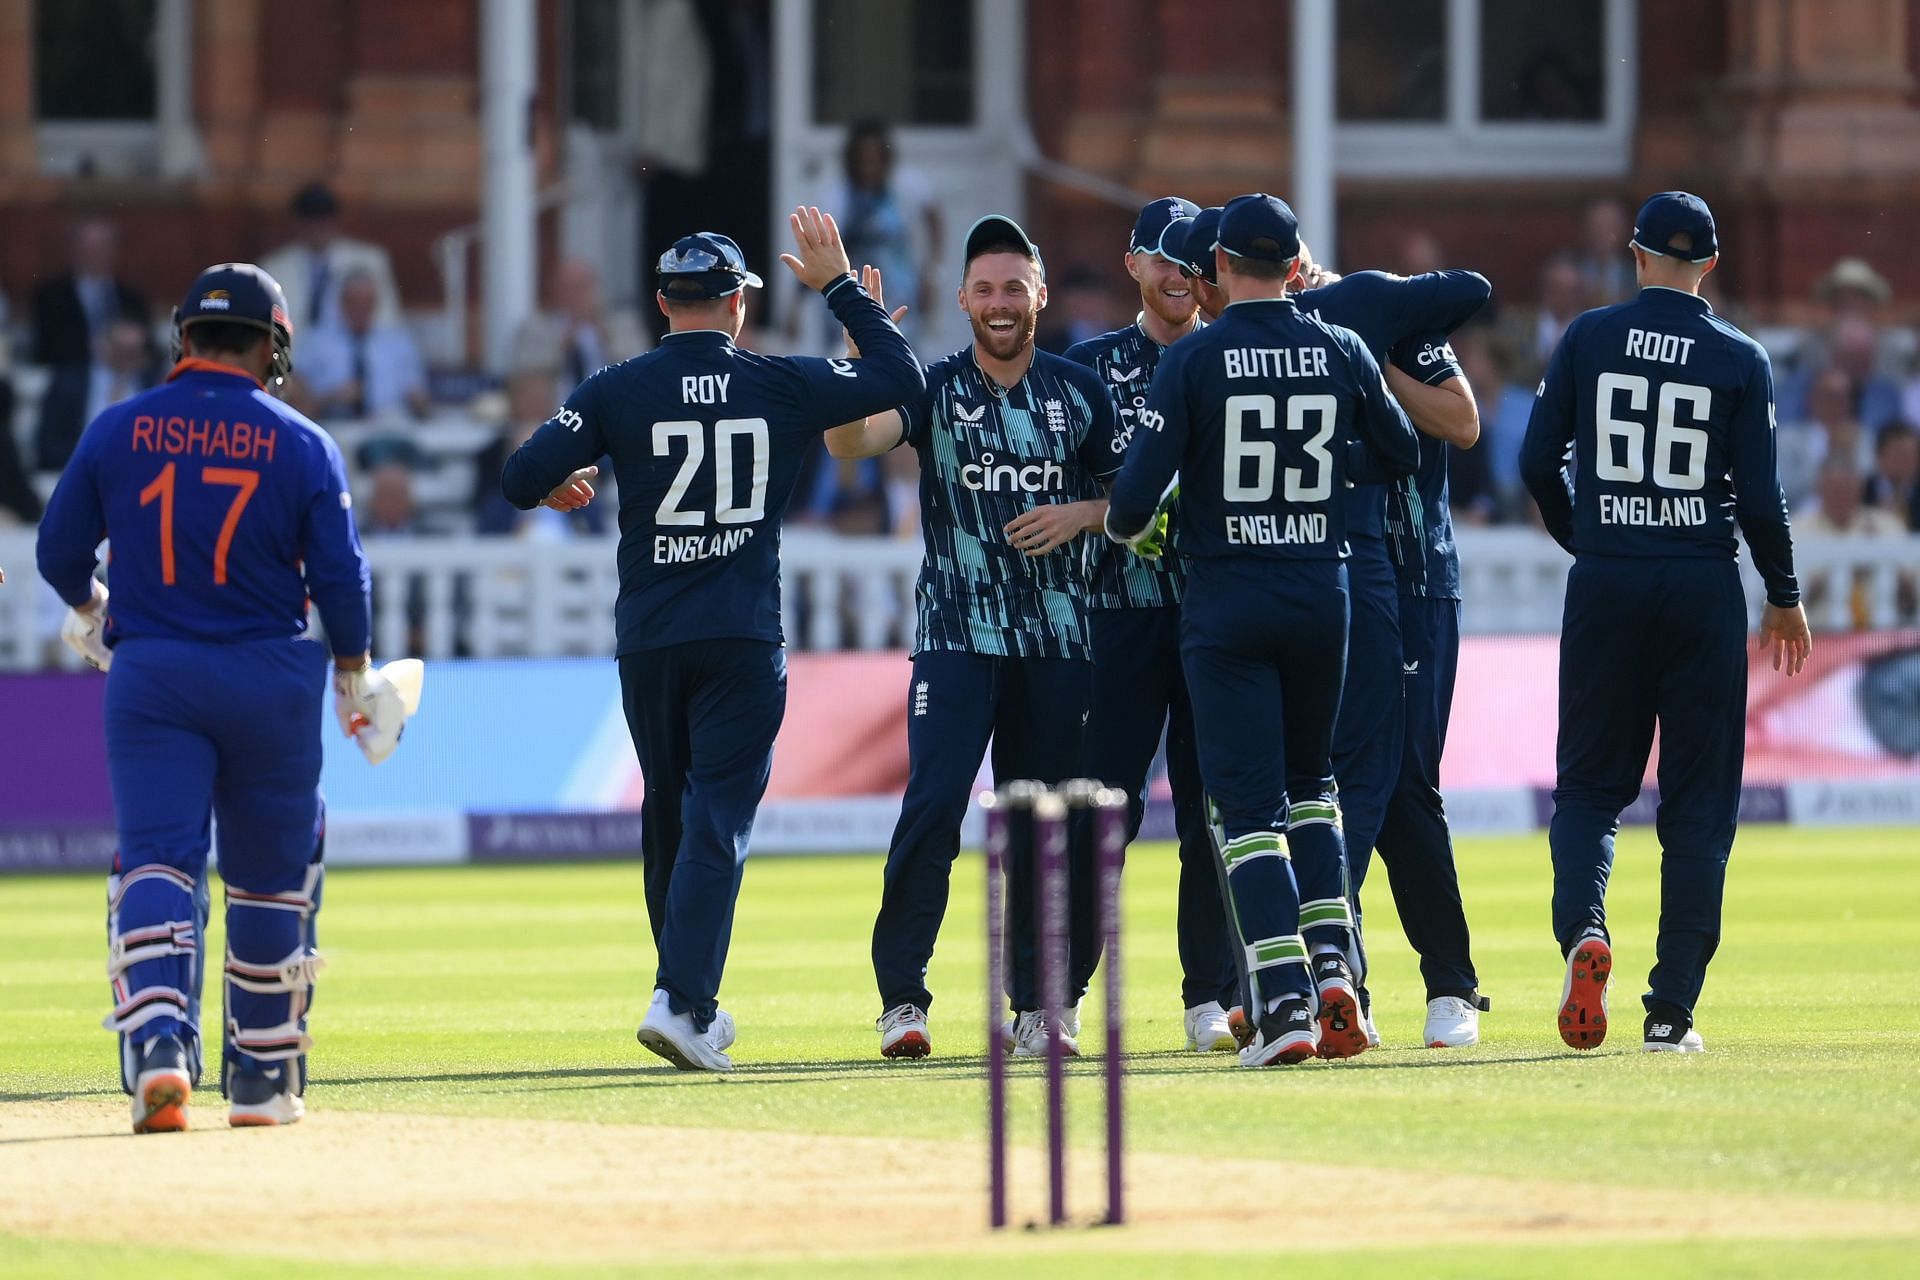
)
(1208, 1030)
(1660, 1038)
(1452, 1023)
(720, 1032)
(903, 1032)
(673, 1037)
(1366, 1025)
(262, 1099)
(1030, 1034)
(1070, 1023)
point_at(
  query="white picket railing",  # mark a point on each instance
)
(485, 597)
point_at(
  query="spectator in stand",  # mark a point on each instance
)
(1851, 336)
(122, 366)
(530, 403)
(391, 511)
(1536, 331)
(580, 335)
(1829, 429)
(19, 503)
(888, 219)
(71, 312)
(1838, 511)
(1082, 307)
(363, 368)
(1505, 406)
(1603, 260)
(1894, 484)
(1420, 252)
(314, 268)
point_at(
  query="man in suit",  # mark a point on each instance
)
(122, 366)
(73, 310)
(313, 268)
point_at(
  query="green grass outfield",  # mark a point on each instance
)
(513, 993)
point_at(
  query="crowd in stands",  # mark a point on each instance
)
(1848, 386)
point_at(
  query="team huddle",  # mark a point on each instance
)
(1222, 528)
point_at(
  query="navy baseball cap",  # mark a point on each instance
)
(1259, 227)
(1197, 238)
(1150, 228)
(703, 266)
(997, 228)
(240, 293)
(1676, 213)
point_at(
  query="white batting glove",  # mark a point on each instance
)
(86, 633)
(373, 708)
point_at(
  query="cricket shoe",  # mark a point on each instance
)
(260, 1099)
(162, 1087)
(1285, 1036)
(674, 1037)
(1583, 996)
(720, 1032)
(1665, 1035)
(1030, 1034)
(1343, 1033)
(1452, 1023)
(903, 1032)
(1071, 1023)
(1243, 1031)
(1373, 1032)
(1208, 1030)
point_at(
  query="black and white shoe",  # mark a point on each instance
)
(262, 1099)
(1669, 1033)
(1343, 1030)
(1285, 1036)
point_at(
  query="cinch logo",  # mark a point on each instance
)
(569, 419)
(1431, 355)
(989, 476)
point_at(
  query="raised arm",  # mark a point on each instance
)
(881, 370)
(876, 433)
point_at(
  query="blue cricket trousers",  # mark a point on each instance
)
(1414, 842)
(1368, 739)
(1139, 692)
(229, 733)
(703, 716)
(1032, 710)
(1648, 642)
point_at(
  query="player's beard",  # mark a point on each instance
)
(1004, 346)
(1175, 311)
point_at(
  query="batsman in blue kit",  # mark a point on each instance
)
(1258, 421)
(1652, 436)
(1138, 690)
(1013, 445)
(707, 441)
(1387, 311)
(227, 511)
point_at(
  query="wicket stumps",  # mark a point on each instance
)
(1040, 822)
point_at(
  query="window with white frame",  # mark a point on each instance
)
(1484, 87)
(113, 93)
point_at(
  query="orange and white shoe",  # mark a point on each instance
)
(162, 1088)
(262, 1099)
(1343, 1032)
(1242, 1029)
(903, 1032)
(1583, 996)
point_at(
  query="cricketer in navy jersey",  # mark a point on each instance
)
(707, 441)
(1139, 693)
(1652, 437)
(1259, 417)
(1013, 445)
(227, 511)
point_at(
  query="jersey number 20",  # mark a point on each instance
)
(728, 435)
(1241, 449)
(1622, 455)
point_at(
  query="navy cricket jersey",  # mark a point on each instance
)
(1667, 412)
(1386, 310)
(1419, 524)
(1255, 415)
(227, 510)
(989, 454)
(706, 442)
(1125, 359)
